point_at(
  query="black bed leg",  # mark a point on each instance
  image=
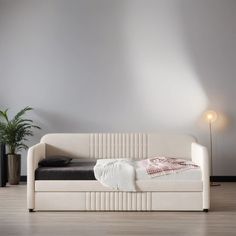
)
(31, 210)
(205, 210)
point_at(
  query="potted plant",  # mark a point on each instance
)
(14, 133)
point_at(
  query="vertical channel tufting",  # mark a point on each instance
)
(104, 145)
(99, 146)
(118, 145)
(136, 146)
(91, 145)
(134, 202)
(87, 201)
(116, 206)
(96, 146)
(107, 208)
(129, 201)
(123, 146)
(111, 200)
(127, 151)
(140, 146)
(102, 199)
(97, 200)
(124, 198)
(92, 201)
(144, 201)
(149, 201)
(112, 154)
(108, 143)
(131, 145)
(145, 146)
(118, 201)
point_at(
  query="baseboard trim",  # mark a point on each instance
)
(23, 178)
(223, 178)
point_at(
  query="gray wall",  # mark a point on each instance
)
(114, 66)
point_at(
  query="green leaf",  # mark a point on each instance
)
(4, 114)
(15, 132)
(22, 112)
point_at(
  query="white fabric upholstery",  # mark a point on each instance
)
(200, 157)
(142, 185)
(91, 195)
(118, 201)
(119, 145)
(35, 154)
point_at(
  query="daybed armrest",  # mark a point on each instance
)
(201, 158)
(35, 154)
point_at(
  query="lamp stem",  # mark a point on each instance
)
(210, 129)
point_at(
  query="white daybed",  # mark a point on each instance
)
(186, 193)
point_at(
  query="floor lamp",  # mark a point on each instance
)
(211, 117)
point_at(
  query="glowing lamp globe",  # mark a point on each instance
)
(211, 116)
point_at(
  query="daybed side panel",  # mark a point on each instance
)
(118, 201)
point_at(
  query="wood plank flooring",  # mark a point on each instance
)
(16, 220)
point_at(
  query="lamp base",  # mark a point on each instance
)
(212, 184)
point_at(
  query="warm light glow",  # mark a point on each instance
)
(211, 116)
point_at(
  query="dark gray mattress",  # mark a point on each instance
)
(78, 169)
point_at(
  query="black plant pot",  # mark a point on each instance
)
(3, 166)
(14, 167)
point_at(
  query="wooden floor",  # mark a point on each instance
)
(16, 220)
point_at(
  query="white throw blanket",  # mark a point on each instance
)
(118, 174)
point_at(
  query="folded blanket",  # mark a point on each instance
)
(118, 174)
(158, 166)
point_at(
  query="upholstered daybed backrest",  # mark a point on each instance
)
(118, 145)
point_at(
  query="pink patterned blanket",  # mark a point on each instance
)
(158, 166)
